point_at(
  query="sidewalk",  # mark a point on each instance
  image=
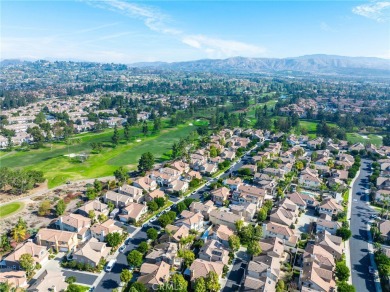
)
(346, 243)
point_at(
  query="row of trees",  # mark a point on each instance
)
(19, 181)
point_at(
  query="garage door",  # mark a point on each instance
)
(63, 249)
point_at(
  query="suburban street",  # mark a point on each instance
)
(360, 246)
(111, 280)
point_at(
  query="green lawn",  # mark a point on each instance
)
(59, 168)
(10, 208)
(355, 138)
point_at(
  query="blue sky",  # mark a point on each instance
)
(134, 31)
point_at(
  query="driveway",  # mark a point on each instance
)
(237, 273)
(305, 220)
(81, 278)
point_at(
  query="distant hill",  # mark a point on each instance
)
(8, 62)
(316, 64)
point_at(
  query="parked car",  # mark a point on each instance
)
(122, 248)
(371, 270)
(110, 265)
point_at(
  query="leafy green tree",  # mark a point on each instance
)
(342, 271)
(179, 283)
(239, 225)
(262, 214)
(152, 205)
(145, 128)
(134, 258)
(152, 234)
(160, 202)
(113, 239)
(121, 174)
(143, 247)
(234, 242)
(27, 263)
(345, 287)
(187, 255)
(126, 132)
(254, 248)
(60, 207)
(146, 162)
(200, 285)
(181, 207)
(280, 286)
(71, 280)
(212, 282)
(157, 124)
(268, 204)
(91, 194)
(344, 232)
(126, 276)
(4, 243)
(115, 136)
(98, 186)
(138, 287)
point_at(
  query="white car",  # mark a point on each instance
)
(122, 248)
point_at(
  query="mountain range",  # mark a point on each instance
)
(315, 64)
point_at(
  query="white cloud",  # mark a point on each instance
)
(219, 48)
(158, 22)
(379, 11)
(325, 27)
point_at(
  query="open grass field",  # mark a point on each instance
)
(58, 168)
(371, 138)
(10, 208)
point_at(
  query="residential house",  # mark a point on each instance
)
(57, 239)
(76, 223)
(325, 223)
(208, 169)
(225, 218)
(263, 273)
(297, 199)
(133, 212)
(272, 246)
(383, 183)
(200, 268)
(265, 182)
(309, 179)
(145, 183)
(49, 280)
(181, 166)
(228, 155)
(164, 176)
(384, 229)
(249, 194)
(317, 269)
(136, 194)
(166, 252)
(91, 252)
(220, 195)
(203, 208)
(39, 254)
(177, 186)
(233, 184)
(190, 219)
(174, 233)
(274, 172)
(96, 206)
(247, 210)
(221, 233)
(331, 243)
(272, 229)
(214, 251)
(252, 168)
(154, 275)
(100, 230)
(119, 200)
(154, 195)
(15, 279)
(329, 206)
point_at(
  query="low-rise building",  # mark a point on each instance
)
(214, 251)
(100, 230)
(39, 254)
(57, 239)
(91, 252)
(133, 212)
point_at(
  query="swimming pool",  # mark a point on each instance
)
(311, 194)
